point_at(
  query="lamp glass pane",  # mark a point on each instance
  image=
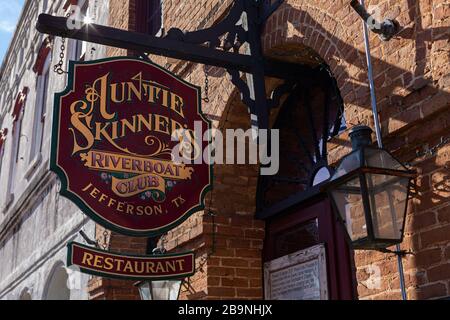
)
(348, 199)
(348, 164)
(388, 200)
(144, 291)
(378, 158)
(175, 289)
(166, 290)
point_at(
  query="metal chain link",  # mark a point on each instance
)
(58, 68)
(206, 97)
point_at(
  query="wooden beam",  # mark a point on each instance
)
(171, 48)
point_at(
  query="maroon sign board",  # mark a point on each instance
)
(130, 267)
(112, 145)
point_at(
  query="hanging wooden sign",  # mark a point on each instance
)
(114, 265)
(112, 146)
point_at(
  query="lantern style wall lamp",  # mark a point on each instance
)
(160, 290)
(370, 191)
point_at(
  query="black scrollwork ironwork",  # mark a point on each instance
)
(309, 117)
(221, 45)
(244, 19)
(234, 44)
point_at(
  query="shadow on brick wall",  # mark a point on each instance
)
(413, 105)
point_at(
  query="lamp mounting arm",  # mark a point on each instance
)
(386, 29)
(400, 253)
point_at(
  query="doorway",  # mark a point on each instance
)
(306, 226)
(300, 223)
(57, 284)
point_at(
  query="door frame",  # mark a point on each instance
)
(340, 265)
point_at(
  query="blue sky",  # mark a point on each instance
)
(9, 14)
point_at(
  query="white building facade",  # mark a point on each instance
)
(35, 222)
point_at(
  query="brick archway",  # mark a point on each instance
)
(235, 237)
(310, 31)
(56, 286)
(324, 27)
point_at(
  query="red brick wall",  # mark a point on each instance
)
(412, 80)
(234, 271)
(412, 86)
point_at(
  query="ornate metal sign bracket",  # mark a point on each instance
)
(234, 44)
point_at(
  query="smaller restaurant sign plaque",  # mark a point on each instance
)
(113, 137)
(111, 265)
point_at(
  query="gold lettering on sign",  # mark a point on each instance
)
(86, 129)
(122, 207)
(114, 162)
(137, 185)
(178, 201)
(121, 266)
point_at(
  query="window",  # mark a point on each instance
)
(149, 17)
(20, 57)
(17, 115)
(2, 153)
(17, 135)
(16, 66)
(40, 112)
(2, 146)
(1, 158)
(44, 6)
(56, 287)
(76, 50)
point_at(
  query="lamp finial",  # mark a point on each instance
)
(360, 136)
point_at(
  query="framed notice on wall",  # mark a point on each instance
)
(299, 276)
